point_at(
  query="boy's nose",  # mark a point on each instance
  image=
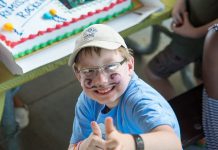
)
(101, 77)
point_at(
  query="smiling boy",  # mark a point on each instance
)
(116, 109)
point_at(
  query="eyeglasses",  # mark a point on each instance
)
(108, 68)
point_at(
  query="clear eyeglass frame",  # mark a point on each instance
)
(108, 68)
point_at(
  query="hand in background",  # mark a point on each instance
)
(178, 9)
(94, 141)
(116, 140)
(186, 28)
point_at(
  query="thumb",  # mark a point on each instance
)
(95, 129)
(109, 126)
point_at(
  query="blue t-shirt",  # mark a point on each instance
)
(140, 109)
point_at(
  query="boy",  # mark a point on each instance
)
(116, 109)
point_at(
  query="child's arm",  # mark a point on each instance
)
(161, 138)
(188, 30)
(93, 142)
(156, 139)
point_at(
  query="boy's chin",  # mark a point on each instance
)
(105, 101)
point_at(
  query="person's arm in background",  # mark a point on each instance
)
(188, 30)
(210, 94)
(160, 138)
(210, 62)
(181, 24)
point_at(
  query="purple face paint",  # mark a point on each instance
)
(114, 79)
(88, 83)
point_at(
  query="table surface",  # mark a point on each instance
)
(9, 81)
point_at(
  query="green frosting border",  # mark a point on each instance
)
(69, 34)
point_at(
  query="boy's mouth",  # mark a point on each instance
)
(104, 91)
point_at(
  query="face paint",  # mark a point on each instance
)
(114, 79)
(87, 83)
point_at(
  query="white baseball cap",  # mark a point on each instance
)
(97, 35)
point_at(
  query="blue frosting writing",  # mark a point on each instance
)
(10, 8)
(2, 4)
(30, 9)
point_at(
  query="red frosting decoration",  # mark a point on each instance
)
(31, 36)
(107, 8)
(112, 4)
(40, 32)
(58, 26)
(13, 44)
(90, 13)
(74, 20)
(119, 1)
(2, 37)
(8, 43)
(49, 30)
(66, 23)
(98, 11)
(84, 16)
(23, 39)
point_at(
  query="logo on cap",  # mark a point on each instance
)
(89, 34)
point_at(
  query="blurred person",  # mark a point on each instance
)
(191, 19)
(210, 92)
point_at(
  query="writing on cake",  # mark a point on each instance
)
(13, 8)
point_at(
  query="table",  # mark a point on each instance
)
(9, 81)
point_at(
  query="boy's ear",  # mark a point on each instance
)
(76, 73)
(131, 65)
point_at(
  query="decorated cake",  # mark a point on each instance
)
(29, 26)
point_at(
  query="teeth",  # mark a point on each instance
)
(103, 91)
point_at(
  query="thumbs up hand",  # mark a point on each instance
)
(94, 141)
(116, 140)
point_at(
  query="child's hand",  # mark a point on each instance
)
(116, 140)
(94, 141)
